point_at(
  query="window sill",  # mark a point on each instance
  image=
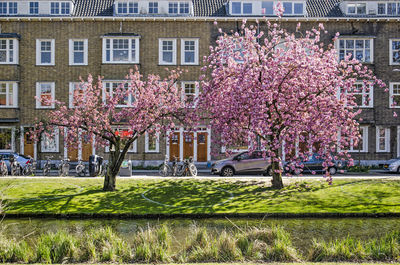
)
(45, 64)
(166, 64)
(8, 107)
(79, 64)
(111, 63)
(7, 63)
(152, 152)
(42, 152)
(44, 108)
(382, 152)
(190, 64)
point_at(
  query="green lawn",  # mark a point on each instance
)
(195, 196)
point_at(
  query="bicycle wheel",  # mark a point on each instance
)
(164, 170)
(193, 170)
(80, 170)
(46, 171)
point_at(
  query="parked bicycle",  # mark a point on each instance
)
(15, 166)
(63, 168)
(47, 166)
(165, 170)
(186, 168)
(104, 168)
(3, 167)
(80, 169)
(30, 167)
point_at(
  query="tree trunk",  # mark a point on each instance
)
(276, 181)
(111, 174)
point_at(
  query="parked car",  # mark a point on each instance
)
(21, 159)
(393, 165)
(242, 163)
(314, 164)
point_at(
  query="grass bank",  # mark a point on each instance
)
(84, 196)
(153, 244)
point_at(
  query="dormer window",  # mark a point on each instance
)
(260, 8)
(153, 7)
(60, 8)
(178, 8)
(34, 8)
(292, 8)
(357, 8)
(8, 8)
(128, 8)
(389, 9)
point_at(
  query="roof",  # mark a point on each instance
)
(209, 8)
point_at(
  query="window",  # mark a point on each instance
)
(357, 8)
(394, 52)
(8, 51)
(393, 8)
(8, 8)
(8, 95)
(173, 7)
(65, 9)
(6, 139)
(236, 8)
(76, 91)
(78, 52)
(190, 93)
(190, 51)
(363, 95)
(128, 8)
(247, 8)
(111, 87)
(184, 7)
(50, 141)
(382, 139)
(267, 8)
(132, 148)
(394, 98)
(293, 8)
(153, 8)
(121, 50)
(33, 8)
(287, 6)
(44, 52)
(167, 51)
(360, 49)
(362, 145)
(55, 8)
(13, 8)
(152, 142)
(45, 93)
(381, 9)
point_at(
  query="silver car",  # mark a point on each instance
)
(243, 163)
(393, 165)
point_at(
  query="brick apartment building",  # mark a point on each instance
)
(46, 45)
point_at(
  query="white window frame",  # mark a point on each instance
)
(133, 147)
(391, 52)
(386, 8)
(293, 13)
(34, 8)
(71, 52)
(60, 8)
(71, 94)
(111, 93)
(196, 51)
(14, 50)
(12, 138)
(363, 94)
(354, 49)
(8, 8)
(391, 95)
(39, 53)
(14, 95)
(196, 94)
(273, 6)
(56, 149)
(155, 6)
(146, 145)
(180, 7)
(364, 142)
(160, 51)
(129, 61)
(387, 140)
(356, 6)
(129, 5)
(53, 95)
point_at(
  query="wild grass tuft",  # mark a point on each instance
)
(152, 244)
(14, 251)
(60, 247)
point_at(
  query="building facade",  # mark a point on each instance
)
(46, 46)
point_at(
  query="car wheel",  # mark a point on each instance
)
(227, 172)
(332, 171)
(268, 172)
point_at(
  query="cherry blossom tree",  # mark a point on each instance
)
(117, 118)
(278, 90)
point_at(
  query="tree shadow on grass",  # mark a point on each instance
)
(188, 196)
